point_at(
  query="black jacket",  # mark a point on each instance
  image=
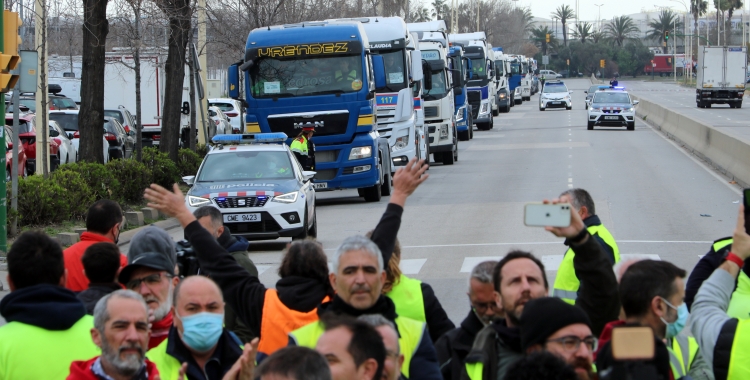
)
(227, 352)
(453, 347)
(50, 307)
(424, 363)
(245, 294)
(437, 320)
(94, 293)
(605, 363)
(707, 265)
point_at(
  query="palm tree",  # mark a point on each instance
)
(620, 29)
(440, 9)
(596, 37)
(731, 6)
(698, 8)
(666, 22)
(527, 18)
(582, 31)
(564, 13)
(539, 37)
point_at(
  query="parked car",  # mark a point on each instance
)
(27, 135)
(123, 116)
(549, 74)
(67, 153)
(234, 111)
(120, 143)
(22, 169)
(68, 120)
(223, 126)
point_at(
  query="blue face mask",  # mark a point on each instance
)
(674, 328)
(201, 331)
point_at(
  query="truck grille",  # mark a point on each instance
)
(326, 156)
(326, 124)
(266, 224)
(475, 100)
(431, 112)
(235, 202)
(325, 174)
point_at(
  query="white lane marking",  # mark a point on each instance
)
(548, 243)
(471, 262)
(263, 268)
(411, 266)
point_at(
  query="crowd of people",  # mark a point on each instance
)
(90, 312)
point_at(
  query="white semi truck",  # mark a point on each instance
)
(721, 76)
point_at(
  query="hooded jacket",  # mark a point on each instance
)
(94, 293)
(42, 319)
(82, 370)
(453, 347)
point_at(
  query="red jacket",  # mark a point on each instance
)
(81, 370)
(77, 280)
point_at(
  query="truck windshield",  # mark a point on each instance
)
(250, 165)
(395, 69)
(439, 87)
(515, 68)
(499, 67)
(478, 68)
(273, 78)
(524, 68)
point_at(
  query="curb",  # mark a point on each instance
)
(127, 236)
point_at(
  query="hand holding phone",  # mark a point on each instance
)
(544, 215)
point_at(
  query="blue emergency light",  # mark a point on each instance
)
(254, 138)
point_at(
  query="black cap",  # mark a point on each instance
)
(542, 317)
(152, 248)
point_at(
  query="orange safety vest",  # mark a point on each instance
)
(278, 321)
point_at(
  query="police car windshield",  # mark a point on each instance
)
(235, 166)
(611, 97)
(273, 78)
(551, 88)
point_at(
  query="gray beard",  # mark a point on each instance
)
(126, 367)
(164, 307)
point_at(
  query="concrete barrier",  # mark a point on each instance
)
(727, 154)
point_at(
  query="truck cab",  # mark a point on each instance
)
(464, 120)
(501, 79)
(321, 75)
(481, 85)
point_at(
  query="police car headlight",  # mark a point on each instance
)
(401, 142)
(631, 109)
(286, 198)
(360, 152)
(197, 201)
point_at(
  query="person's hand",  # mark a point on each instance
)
(171, 203)
(407, 179)
(244, 367)
(180, 373)
(741, 243)
(576, 223)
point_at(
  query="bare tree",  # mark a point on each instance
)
(91, 115)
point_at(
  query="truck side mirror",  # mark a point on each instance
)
(378, 68)
(404, 105)
(427, 78)
(457, 80)
(417, 71)
(233, 81)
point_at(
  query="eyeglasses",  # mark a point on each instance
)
(572, 343)
(150, 280)
(482, 306)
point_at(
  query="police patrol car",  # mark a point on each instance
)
(612, 107)
(258, 185)
(555, 95)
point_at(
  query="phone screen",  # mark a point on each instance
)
(746, 196)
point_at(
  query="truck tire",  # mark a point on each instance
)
(590, 126)
(448, 158)
(541, 109)
(519, 101)
(463, 135)
(471, 131)
(569, 108)
(302, 235)
(707, 105)
(372, 193)
(738, 104)
(492, 123)
(631, 126)
(385, 188)
(496, 112)
(481, 127)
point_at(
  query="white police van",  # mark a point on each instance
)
(258, 185)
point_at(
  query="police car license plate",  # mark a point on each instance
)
(241, 218)
(320, 185)
(611, 118)
(555, 102)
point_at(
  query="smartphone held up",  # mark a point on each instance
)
(547, 215)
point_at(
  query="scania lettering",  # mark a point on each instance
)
(390, 39)
(320, 75)
(481, 86)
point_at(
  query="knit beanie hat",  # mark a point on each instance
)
(542, 317)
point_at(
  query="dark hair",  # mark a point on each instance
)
(101, 262)
(103, 215)
(366, 342)
(497, 277)
(643, 281)
(209, 211)
(542, 365)
(298, 363)
(306, 258)
(33, 259)
(580, 198)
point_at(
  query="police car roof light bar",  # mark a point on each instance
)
(617, 87)
(255, 138)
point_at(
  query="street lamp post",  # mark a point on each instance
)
(600, 16)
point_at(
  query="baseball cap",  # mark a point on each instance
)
(153, 248)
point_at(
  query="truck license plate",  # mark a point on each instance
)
(611, 118)
(320, 185)
(241, 218)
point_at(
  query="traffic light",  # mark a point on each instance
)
(601, 63)
(9, 57)
(567, 61)
(666, 35)
(547, 37)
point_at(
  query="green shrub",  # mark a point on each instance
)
(163, 170)
(134, 177)
(188, 162)
(100, 181)
(41, 201)
(201, 150)
(78, 194)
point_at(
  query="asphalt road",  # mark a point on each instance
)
(648, 192)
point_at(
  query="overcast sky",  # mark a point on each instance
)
(589, 12)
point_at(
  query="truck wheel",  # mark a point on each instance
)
(372, 193)
(590, 126)
(385, 188)
(302, 235)
(361, 192)
(471, 131)
(448, 158)
(463, 135)
(496, 112)
(492, 123)
(541, 109)
(707, 105)
(631, 126)
(738, 105)
(519, 101)
(569, 108)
